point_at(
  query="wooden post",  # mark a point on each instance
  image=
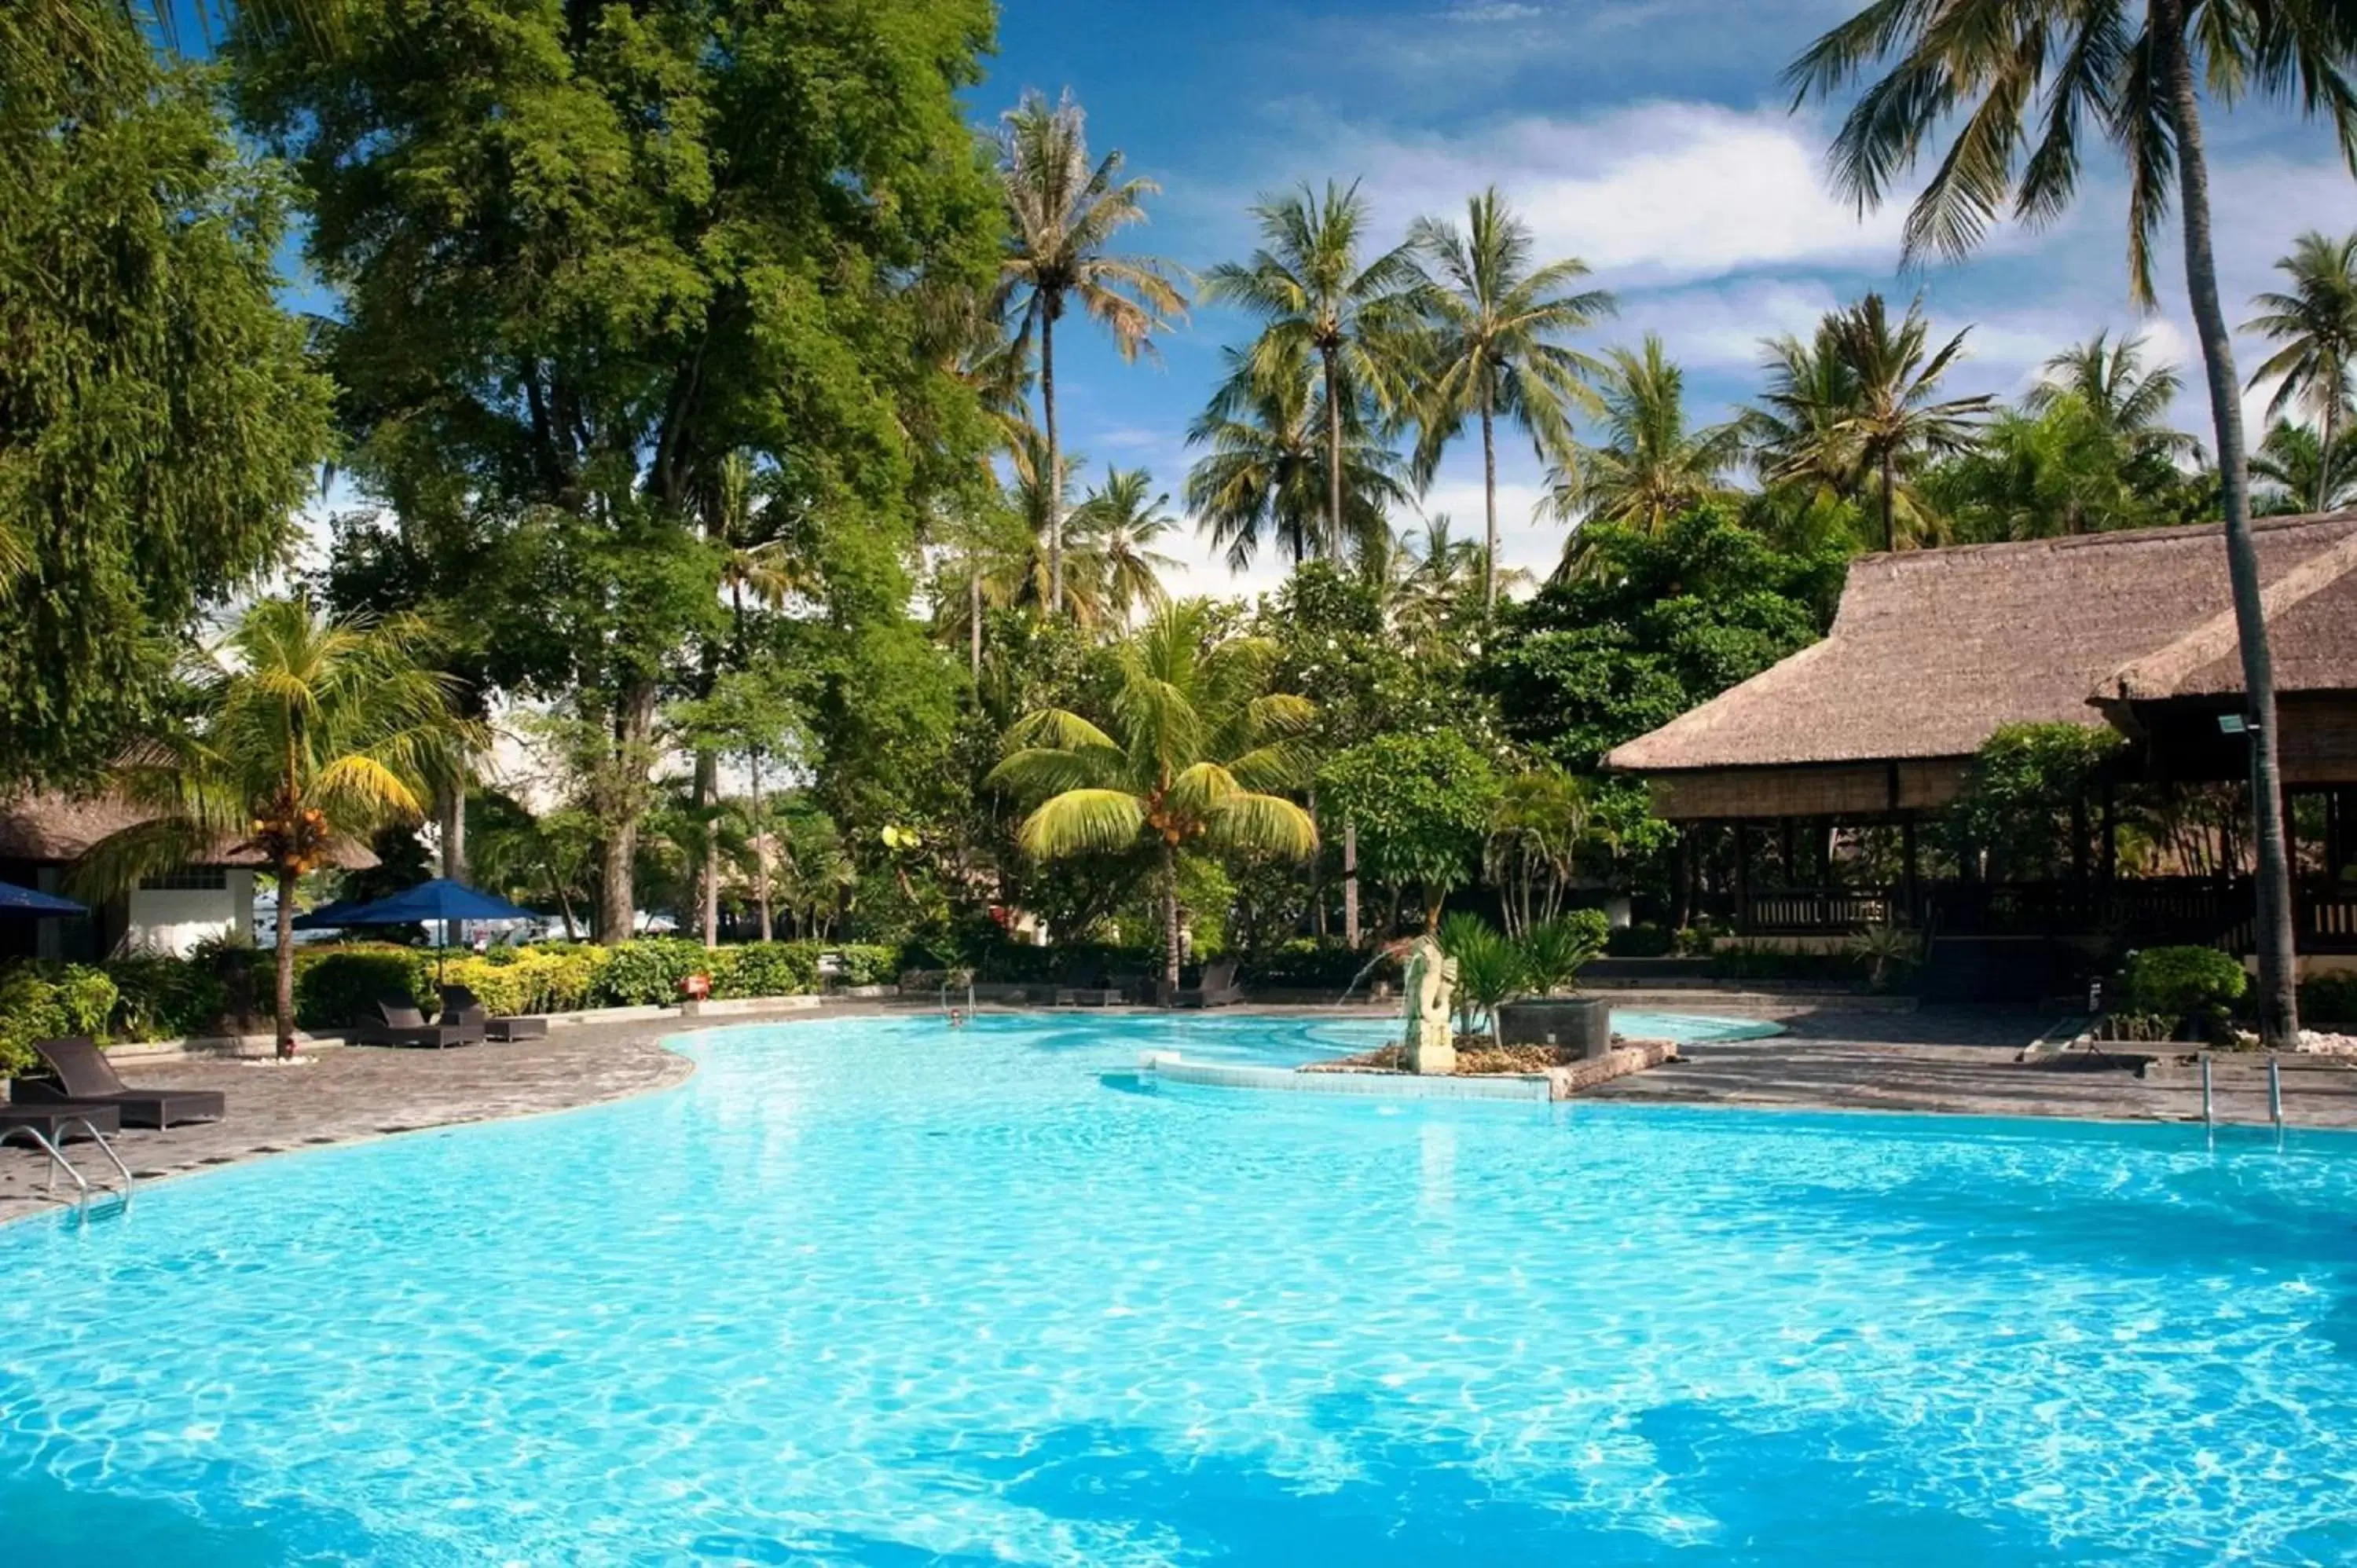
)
(1742, 877)
(1908, 875)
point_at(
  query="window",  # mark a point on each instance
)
(187, 879)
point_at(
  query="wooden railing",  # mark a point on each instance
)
(1811, 911)
(2200, 911)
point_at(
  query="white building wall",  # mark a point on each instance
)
(173, 921)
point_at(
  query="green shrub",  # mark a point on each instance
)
(647, 972)
(43, 1001)
(1555, 951)
(161, 997)
(869, 963)
(2329, 999)
(773, 969)
(1490, 968)
(336, 985)
(2182, 983)
(1643, 939)
(1306, 963)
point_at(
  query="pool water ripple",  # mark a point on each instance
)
(875, 1292)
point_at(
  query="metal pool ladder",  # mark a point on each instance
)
(57, 1161)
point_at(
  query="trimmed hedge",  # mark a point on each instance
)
(1306, 963)
(2329, 999)
(2183, 983)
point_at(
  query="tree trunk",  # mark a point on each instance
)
(760, 849)
(2279, 1001)
(973, 617)
(454, 833)
(2324, 452)
(1333, 454)
(1350, 882)
(616, 891)
(1316, 876)
(283, 1004)
(1889, 499)
(1169, 920)
(1054, 478)
(1488, 504)
(707, 802)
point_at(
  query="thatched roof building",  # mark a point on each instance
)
(58, 830)
(1931, 651)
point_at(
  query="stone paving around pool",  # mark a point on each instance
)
(1956, 1061)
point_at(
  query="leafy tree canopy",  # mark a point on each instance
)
(1422, 804)
(158, 415)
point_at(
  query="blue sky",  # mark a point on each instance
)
(1647, 137)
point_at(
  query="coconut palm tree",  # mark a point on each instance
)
(2125, 398)
(2291, 462)
(1265, 469)
(1062, 212)
(1490, 345)
(2315, 322)
(1122, 522)
(1798, 445)
(1193, 752)
(2019, 83)
(1895, 419)
(1651, 466)
(304, 732)
(1317, 303)
(1025, 575)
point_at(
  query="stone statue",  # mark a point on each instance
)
(1430, 1045)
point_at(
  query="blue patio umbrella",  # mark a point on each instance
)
(441, 901)
(328, 915)
(24, 903)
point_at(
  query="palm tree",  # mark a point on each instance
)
(2125, 398)
(2040, 71)
(1799, 447)
(1195, 748)
(1062, 212)
(1316, 303)
(306, 731)
(1123, 523)
(1266, 470)
(1491, 344)
(1027, 576)
(2291, 460)
(1895, 419)
(2315, 323)
(1651, 466)
(1536, 828)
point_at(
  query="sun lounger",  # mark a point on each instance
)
(1217, 989)
(1091, 991)
(461, 1006)
(49, 1126)
(399, 1023)
(80, 1073)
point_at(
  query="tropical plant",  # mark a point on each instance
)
(1490, 345)
(2124, 398)
(1193, 753)
(1489, 970)
(1536, 829)
(1887, 948)
(1651, 465)
(1121, 522)
(1062, 213)
(2315, 323)
(2028, 79)
(1320, 306)
(1421, 804)
(305, 733)
(1265, 468)
(1556, 949)
(1888, 419)
(2291, 463)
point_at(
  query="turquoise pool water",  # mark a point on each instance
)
(875, 1292)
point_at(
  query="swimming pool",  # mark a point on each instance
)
(875, 1292)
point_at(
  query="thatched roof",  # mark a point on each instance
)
(60, 829)
(1933, 650)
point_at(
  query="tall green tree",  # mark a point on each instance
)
(2315, 320)
(1265, 469)
(2125, 397)
(2291, 462)
(303, 731)
(159, 418)
(1124, 519)
(584, 254)
(1194, 752)
(1493, 344)
(2015, 86)
(1651, 465)
(1320, 304)
(1062, 214)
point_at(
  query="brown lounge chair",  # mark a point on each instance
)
(1217, 989)
(48, 1127)
(399, 1023)
(461, 1006)
(80, 1074)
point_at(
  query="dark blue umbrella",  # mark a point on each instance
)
(25, 903)
(441, 900)
(326, 916)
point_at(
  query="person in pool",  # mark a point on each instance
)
(957, 1018)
